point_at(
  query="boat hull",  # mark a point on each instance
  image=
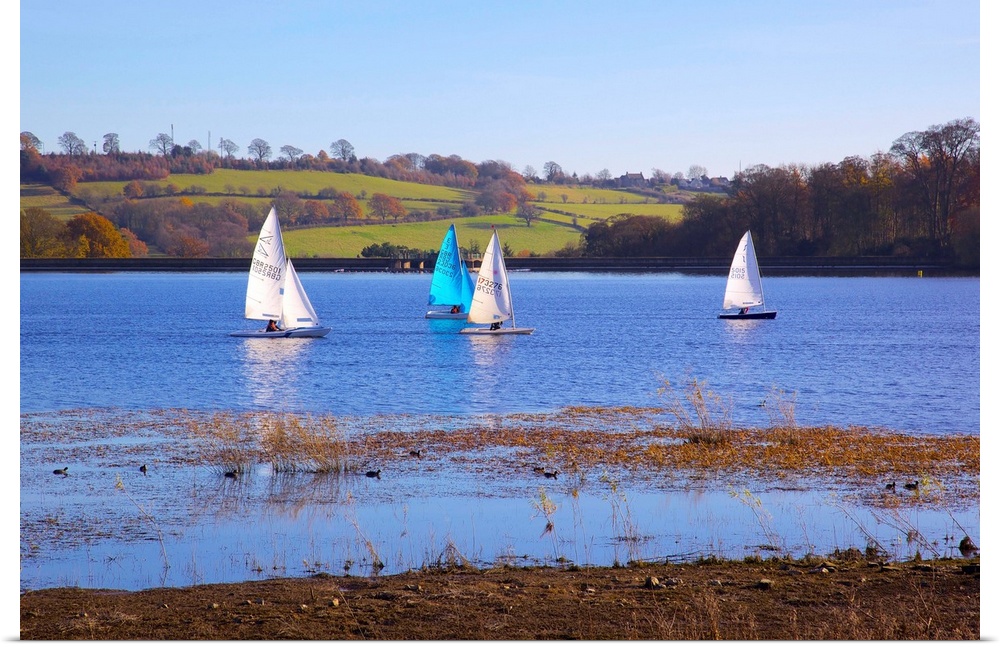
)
(283, 334)
(750, 315)
(501, 331)
(444, 314)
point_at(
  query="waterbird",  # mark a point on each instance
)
(551, 475)
(143, 469)
(232, 474)
(911, 486)
(374, 474)
(415, 453)
(64, 471)
(891, 486)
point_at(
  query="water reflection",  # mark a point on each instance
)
(271, 371)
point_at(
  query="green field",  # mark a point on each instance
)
(45, 197)
(241, 184)
(541, 238)
(565, 210)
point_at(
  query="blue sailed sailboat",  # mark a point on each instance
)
(451, 284)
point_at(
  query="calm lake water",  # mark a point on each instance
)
(898, 353)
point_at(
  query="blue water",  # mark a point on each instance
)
(900, 353)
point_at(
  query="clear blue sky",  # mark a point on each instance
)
(628, 86)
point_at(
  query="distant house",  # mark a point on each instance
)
(632, 179)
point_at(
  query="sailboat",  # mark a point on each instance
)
(451, 283)
(743, 287)
(491, 302)
(274, 291)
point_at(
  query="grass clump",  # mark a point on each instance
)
(703, 415)
(294, 444)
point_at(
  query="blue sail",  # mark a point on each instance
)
(451, 283)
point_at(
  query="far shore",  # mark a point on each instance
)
(783, 266)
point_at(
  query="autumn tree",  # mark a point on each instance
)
(72, 144)
(133, 190)
(259, 149)
(383, 206)
(111, 143)
(342, 149)
(29, 141)
(42, 234)
(315, 212)
(102, 239)
(137, 248)
(64, 178)
(345, 207)
(934, 160)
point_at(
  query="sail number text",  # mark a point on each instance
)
(738, 273)
(266, 270)
(487, 286)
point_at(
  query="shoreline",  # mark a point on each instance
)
(786, 266)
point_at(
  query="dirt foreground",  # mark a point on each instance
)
(745, 600)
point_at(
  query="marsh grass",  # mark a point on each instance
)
(703, 415)
(304, 444)
(290, 443)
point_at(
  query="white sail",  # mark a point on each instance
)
(491, 298)
(267, 272)
(274, 291)
(296, 309)
(743, 287)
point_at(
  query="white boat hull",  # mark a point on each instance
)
(444, 314)
(501, 331)
(283, 334)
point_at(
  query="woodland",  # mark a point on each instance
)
(920, 199)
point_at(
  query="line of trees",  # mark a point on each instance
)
(921, 199)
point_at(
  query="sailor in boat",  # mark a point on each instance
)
(743, 311)
(272, 326)
(495, 325)
(455, 310)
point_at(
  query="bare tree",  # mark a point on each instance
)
(290, 152)
(260, 149)
(228, 147)
(342, 149)
(194, 146)
(111, 143)
(529, 173)
(552, 171)
(528, 212)
(72, 144)
(162, 143)
(696, 171)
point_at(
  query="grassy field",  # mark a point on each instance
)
(542, 238)
(241, 184)
(565, 210)
(45, 197)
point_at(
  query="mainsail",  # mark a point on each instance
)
(491, 299)
(451, 283)
(267, 271)
(743, 287)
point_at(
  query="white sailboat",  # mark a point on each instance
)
(274, 292)
(744, 289)
(451, 284)
(491, 301)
